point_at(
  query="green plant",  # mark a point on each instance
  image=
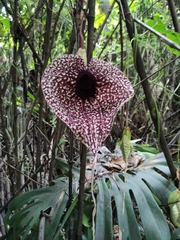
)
(133, 202)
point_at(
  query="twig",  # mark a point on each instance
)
(162, 37)
(23, 34)
(175, 138)
(154, 73)
(107, 42)
(25, 185)
(55, 23)
(145, 84)
(102, 26)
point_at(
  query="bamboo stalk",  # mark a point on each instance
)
(145, 84)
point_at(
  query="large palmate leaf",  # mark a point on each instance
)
(131, 198)
(131, 202)
(28, 207)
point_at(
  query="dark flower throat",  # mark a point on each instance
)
(85, 85)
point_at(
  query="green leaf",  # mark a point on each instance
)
(23, 219)
(125, 144)
(129, 200)
(157, 17)
(160, 27)
(149, 211)
(176, 234)
(4, 25)
(134, 196)
(145, 148)
(31, 96)
(104, 212)
(174, 204)
(62, 141)
(124, 208)
(68, 213)
(87, 216)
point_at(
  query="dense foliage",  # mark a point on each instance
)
(34, 143)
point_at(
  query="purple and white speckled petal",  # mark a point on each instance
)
(90, 119)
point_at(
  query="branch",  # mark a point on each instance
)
(145, 84)
(47, 34)
(162, 37)
(102, 26)
(172, 9)
(23, 34)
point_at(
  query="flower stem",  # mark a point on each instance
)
(81, 190)
(92, 194)
(70, 163)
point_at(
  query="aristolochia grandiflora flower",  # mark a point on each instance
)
(86, 97)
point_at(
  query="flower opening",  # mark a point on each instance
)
(85, 85)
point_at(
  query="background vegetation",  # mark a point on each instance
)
(33, 141)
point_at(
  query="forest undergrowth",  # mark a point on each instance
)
(141, 38)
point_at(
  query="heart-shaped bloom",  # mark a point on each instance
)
(86, 97)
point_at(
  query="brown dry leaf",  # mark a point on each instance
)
(119, 161)
(88, 176)
(112, 166)
(134, 160)
(117, 164)
(117, 232)
(120, 164)
(178, 173)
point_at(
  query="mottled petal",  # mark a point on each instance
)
(90, 119)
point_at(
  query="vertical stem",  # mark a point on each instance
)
(91, 16)
(145, 84)
(91, 5)
(90, 46)
(39, 150)
(172, 9)
(81, 191)
(121, 41)
(78, 19)
(93, 197)
(3, 125)
(14, 78)
(46, 53)
(102, 26)
(47, 34)
(70, 162)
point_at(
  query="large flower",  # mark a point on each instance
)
(86, 97)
